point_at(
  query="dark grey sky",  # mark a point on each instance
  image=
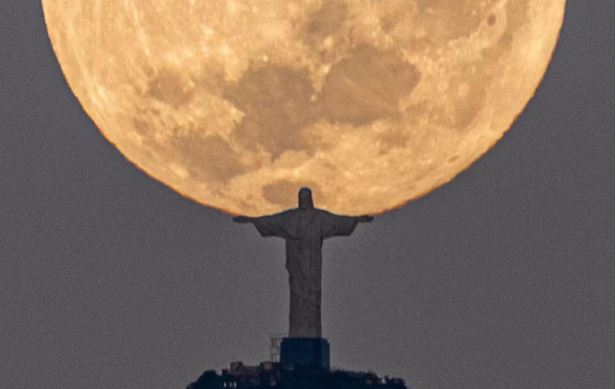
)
(501, 279)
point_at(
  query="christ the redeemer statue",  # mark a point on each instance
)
(304, 229)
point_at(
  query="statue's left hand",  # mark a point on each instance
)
(242, 219)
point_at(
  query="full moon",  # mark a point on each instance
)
(236, 104)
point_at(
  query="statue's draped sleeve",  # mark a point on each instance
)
(273, 225)
(337, 225)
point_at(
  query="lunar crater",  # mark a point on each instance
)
(280, 103)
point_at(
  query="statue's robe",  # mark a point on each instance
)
(304, 231)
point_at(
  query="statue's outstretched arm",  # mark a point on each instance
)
(340, 225)
(365, 219)
(269, 225)
(243, 219)
(251, 219)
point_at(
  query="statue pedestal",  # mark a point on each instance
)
(313, 352)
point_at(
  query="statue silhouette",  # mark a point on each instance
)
(304, 229)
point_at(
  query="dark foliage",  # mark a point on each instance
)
(280, 378)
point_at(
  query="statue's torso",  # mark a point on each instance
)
(304, 259)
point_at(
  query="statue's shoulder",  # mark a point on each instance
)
(323, 212)
(301, 213)
(289, 213)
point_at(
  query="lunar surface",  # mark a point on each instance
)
(236, 104)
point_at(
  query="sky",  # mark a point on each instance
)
(502, 278)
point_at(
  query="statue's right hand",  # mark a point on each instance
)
(242, 219)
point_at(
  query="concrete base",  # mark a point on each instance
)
(313, 352)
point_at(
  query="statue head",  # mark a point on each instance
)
(305, 198)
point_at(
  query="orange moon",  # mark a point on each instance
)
(236, 104)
